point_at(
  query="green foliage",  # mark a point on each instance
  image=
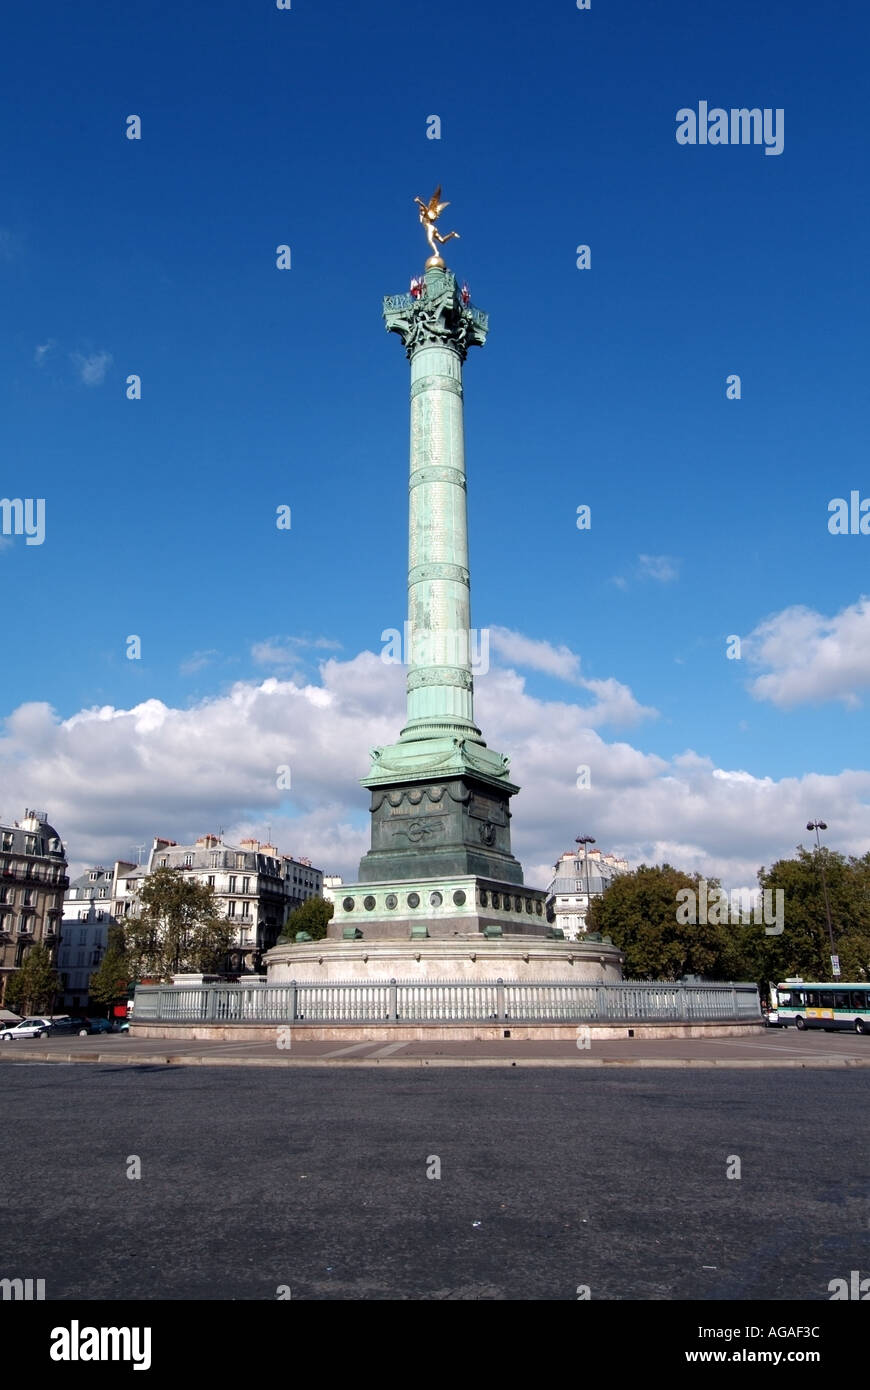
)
(639, 913)
(110, 981)
(804, 948)
(313, 917)
(178, 928)
(34, 987)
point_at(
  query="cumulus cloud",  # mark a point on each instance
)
(614, 702)
(810, 657)
(283, 652)
(91, 368)
(181, 772)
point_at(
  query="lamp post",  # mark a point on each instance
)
(818, 825)
(585, 841)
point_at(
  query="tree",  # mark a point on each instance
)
(639, 912)
(178, 928)
(313, 917)
(111, 980)
(34, 987)
(804, 947)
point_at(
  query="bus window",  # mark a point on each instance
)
(859, 999)
(841, 999)
(812, 998)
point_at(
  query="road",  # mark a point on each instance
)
(315, 1179)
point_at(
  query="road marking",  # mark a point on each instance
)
(357, 1047)
(389, 1050)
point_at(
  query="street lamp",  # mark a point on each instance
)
(818, 825)
(585, 841)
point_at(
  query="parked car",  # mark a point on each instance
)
(27, 1028)
(62, 1023)
(93, 1025)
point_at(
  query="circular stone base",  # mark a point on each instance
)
(470, 958)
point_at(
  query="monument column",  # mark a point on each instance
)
(437, 333)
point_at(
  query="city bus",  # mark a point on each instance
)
(815, 1005)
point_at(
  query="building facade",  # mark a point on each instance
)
(88, 913)
(256, 889)
(33, 878)
(578, 879)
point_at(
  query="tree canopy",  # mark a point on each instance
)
(178, 928)
(640, 913)
(33, 988)
(313, 916)
(111, 979)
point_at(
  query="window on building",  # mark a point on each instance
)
(240, 861)
(83, 935)
(80, 958)
(102, 893)
(30, 844)
(231, 908)
(164, 862)
(215, 861)
(96, 955)
(246, 885)
(233, 881)
(187, 861)
(93, 876)
(84, 914)
(100, 916)
(210, 880)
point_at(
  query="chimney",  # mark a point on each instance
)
(250, 844)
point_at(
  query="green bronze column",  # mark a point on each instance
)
(440, 736)
(440, 684)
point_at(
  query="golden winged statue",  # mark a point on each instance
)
(429, 214)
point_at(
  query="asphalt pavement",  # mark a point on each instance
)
(148, 1181)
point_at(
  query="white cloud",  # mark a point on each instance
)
(197, 661)
(181, 772)
(614, 702)
(283, 652)
(42, 351)
(664, 568)
(810, 657)
(92, 368)
(535, 655)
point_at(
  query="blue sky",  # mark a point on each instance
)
(263, 387)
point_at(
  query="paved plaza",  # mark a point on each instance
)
(550, 1178)
(768, 1048)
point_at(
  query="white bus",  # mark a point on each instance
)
(832, 1007)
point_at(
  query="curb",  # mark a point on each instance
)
(651, 1063)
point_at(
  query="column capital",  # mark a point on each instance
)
(438, 315)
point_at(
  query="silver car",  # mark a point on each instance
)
(27, 1028)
